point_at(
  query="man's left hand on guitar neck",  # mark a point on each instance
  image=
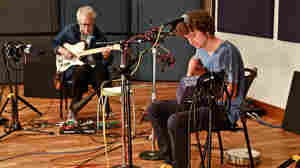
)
(106, 52)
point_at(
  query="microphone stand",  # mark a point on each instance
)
(125, 88)
(153, 154)
(209, 134)
(151, 36)
(126, 112)
(212, 105)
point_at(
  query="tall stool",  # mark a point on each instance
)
(110, 92)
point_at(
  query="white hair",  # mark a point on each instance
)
(86, 10)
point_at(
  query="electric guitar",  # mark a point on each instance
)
(79, 52)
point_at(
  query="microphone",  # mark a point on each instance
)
(89, 39)
(29, 49)
(26, 48)
(173, 23)
(165, 59)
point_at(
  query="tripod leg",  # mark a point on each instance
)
(4, 105)
(12, 129)
(29, 105)
(6, 134)
(38, 131)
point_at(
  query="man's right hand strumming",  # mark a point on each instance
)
(195, 68)
(65, 53)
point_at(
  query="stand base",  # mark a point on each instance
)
(3, 120)
(150, 155)
(125, 166)
(113, 135)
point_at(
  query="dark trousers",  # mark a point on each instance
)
(82, 76)
(170, 124)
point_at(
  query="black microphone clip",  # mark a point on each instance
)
(173, 23)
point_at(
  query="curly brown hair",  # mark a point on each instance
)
(196, 20)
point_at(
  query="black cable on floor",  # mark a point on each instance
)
(255, 117)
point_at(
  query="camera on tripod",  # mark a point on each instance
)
(15, 50)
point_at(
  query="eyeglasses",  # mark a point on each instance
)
(85, 25)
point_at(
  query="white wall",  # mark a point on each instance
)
(276, 61)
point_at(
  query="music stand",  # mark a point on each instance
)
(13, 96)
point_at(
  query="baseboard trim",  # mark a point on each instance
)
(271, 110)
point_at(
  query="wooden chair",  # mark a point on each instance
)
(250, 75)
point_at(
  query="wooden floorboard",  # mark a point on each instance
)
(26, 149)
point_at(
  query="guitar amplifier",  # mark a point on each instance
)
(39, 74)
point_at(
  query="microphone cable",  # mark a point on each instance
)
(256, 117)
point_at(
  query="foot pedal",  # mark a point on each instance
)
(109, 125)
(84, 128)
(62, 130)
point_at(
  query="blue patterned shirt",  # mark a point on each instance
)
(226, 58)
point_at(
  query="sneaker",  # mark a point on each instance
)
(70, 124)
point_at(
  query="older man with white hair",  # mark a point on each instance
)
(94, 68)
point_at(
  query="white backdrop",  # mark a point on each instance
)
(276, 62)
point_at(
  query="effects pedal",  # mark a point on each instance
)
(110, 125)
(71, 128)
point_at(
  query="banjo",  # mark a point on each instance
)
(240, 156)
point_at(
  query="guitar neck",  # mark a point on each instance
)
(91, 51)
(97, 50)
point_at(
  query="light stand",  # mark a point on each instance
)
(13, 96)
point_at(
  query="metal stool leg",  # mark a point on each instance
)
(134, 114)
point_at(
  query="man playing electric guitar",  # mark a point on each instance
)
(78, 54)
(93, 68)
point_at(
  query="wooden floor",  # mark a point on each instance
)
(26, 149)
